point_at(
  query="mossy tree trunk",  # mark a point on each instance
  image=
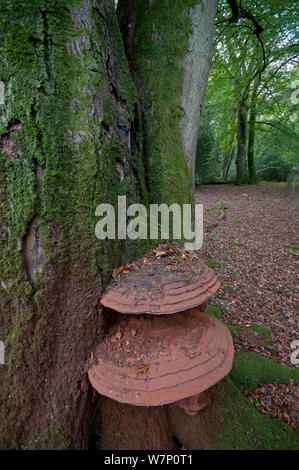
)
(169, 47)
(71, 138)
(242, 135)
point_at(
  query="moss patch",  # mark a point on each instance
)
(244, 428)
(262, 330)
(231, 423)
(249, 369)
(249, 429)
(215, 311)
(237, 244)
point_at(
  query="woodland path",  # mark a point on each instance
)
(254, 250)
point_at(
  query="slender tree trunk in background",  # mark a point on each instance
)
(228, 163)
(225, 160)
(169, 47)
(224, 164)
(71, 138)
(242, 133)
(251, 155)
(251, 137)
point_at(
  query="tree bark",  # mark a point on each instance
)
(71, 138)
(242, 134)
(169, 47)
(251, 137)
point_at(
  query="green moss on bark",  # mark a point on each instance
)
(158, 40)
(57, 60)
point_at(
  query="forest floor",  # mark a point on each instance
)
(251, 241)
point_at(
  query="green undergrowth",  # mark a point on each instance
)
(262, 330)
(61, 122)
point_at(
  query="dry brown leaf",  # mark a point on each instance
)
(116, 272)
(144, 369)
(196, 354)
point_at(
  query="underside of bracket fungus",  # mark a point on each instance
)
(152, 358)
(193, 405)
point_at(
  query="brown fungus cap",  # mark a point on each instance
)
(167, 280)
(154, 360)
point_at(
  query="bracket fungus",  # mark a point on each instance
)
(162, 348)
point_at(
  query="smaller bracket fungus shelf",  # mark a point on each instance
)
(164, 282)
(165, 349)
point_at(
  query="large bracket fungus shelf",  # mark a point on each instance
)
(152, 358)
(165, 361)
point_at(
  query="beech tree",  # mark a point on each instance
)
(91, 110)
(255, 52)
